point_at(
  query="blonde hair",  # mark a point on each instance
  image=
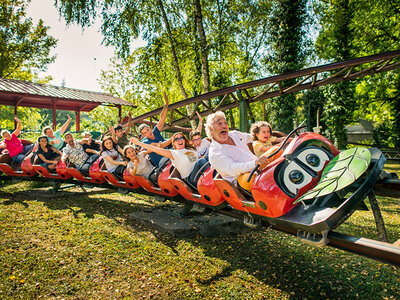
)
(255, 129)
(210, 122)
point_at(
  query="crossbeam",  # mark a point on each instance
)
(274, 86)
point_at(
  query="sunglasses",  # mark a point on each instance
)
(179, 139)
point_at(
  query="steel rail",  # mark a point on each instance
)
(381, 63)
(372, 249)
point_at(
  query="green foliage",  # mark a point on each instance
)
(23, 46)
(289, 48)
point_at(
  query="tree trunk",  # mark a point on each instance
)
(203, 45)
(175, 60)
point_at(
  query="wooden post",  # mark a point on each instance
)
(78, 120)
(119, 113)
(54, 113)
(15, 114)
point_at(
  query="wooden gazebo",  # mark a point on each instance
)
(27, 94)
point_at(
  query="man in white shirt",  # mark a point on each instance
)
(229, 153)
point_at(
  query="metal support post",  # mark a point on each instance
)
(380, 225)
(243, 122)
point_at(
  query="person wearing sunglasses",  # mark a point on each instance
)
(183, 156)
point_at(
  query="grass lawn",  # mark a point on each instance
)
(84, 247)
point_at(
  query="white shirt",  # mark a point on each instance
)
(114, 154)
(202, 150)
(144, 167)
(231, 161)
(184, 160)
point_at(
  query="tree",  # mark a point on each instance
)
(352, 29)
(24, 51)
(288, 54)
(23, 46)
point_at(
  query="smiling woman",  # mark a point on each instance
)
(183, 157)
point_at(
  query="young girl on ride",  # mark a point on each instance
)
(48, 156)
(183, 156)
(262, 139)
(137, 163)
(112, 158)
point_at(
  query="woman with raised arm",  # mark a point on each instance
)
(183, 156)
(13, 144)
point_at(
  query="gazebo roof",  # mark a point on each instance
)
(28, 94)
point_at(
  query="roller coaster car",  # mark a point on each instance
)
(205, 193)
(163, 187)
(46, 173)
(95, 176)
(130, 180)
(290, 175)
(25, 169)
(111, 178)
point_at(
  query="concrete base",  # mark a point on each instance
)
(167, 220)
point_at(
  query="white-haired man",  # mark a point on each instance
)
(229, 153)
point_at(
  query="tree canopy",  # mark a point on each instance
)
(24, 53)
(197, 46)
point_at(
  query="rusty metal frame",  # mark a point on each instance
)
(273, 86)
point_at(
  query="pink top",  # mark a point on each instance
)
(14, 146)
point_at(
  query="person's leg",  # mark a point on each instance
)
(119, 172)
(197, 166)
(17, 159)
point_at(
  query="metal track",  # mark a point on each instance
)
(373, 249)
(274, 86)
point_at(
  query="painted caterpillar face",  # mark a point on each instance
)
(302, 169)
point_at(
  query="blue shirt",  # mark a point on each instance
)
(57, 135)
(154, 157)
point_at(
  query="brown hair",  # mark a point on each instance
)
(255, 129)
(188, 145)
(194, 133)
(126, 148)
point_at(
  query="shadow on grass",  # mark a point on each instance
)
(275, 259)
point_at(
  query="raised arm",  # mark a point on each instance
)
(163, 116)
(165, 143)
(158, 150)
(128, 127)
(17, 130)
(113, 136)
(65, 126)
(200, 125)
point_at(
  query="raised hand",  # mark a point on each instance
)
(166, 99)
(134, 140)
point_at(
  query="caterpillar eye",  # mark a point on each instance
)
(296, 176)
(313, 160)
